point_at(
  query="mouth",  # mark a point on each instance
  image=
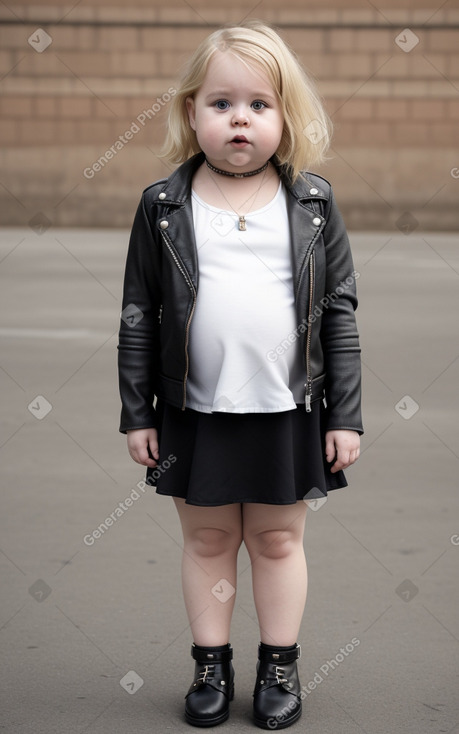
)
(239, 140)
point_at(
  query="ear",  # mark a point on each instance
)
(190, 108)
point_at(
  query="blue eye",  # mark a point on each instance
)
(221, 104)
(258, 105)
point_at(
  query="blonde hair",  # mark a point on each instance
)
(307, 127)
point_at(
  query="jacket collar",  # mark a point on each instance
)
(178, 186)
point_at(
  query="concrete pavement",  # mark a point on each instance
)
(94, 634)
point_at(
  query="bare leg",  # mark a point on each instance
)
(212, 537)
(273, 535)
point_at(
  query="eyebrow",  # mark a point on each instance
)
(227, 93)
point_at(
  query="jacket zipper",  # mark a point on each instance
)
(187, 330)
(308, 394)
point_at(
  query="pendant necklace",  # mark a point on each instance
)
(242, 226)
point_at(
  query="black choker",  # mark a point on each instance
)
(237, 175)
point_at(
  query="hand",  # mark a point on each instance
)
(138, 443)
(343, 444)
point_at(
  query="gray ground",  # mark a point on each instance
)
(78, 619)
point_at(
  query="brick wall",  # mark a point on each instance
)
(389, 73)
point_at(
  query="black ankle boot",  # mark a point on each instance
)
(277, 700)
(207, 701)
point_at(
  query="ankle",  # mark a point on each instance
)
(214, 648)
(278, 648)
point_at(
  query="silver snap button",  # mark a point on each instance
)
(312, 191)
(162, 195)
(317, 221)
(164, 224)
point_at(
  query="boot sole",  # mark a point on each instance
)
(203, 723)
(263, 723)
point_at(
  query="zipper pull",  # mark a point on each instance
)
(308, 395)
(160, 315)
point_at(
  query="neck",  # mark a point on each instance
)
(233, 174)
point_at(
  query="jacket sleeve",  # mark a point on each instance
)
(138, 345)
(339, 335)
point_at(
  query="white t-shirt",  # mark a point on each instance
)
(244, 349)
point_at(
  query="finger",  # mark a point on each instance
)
(140, 455)
(354, 456)
(342, 460)
(154, 450)
(330, 449)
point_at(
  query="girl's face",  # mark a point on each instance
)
(236, 115)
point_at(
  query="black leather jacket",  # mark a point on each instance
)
(161, 285)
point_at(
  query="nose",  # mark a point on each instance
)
(240, 118)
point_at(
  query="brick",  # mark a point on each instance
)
(41, 65)
(355, 66)
(125, 14)
(439, 61)
(174, 40)
(374, 40)
(15, 106)
(64, 37)
(133, 63)
(341, 39)
(15, 36)
(442, 40)
(137, 105)
(88, 63)
(344, 135)
(66, 131)
(304, 40)
(75, 107)
(432, 109)
(45, 106)
(95, 131)
(453, 65)
(321, 66)
(452, 106)
(7, 61)
(118, 39)
(444, 134)
(358, 15)
(374, 135)
(170, 63)
(119, 105)
(87, 36)
(356, 109)
(170, 14)
(397, 67)
(332, 104)
(421, 68)
(410, 88)
(316, 15)
(411, 134)
(36, 132)
(391, 109)
(8, 132)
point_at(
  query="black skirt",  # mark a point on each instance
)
(213, 459)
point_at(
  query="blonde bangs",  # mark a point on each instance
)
(307, 127)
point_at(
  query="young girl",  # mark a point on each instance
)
(239, 357)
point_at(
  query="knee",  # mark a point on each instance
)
(272, 544)
(210, 542)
